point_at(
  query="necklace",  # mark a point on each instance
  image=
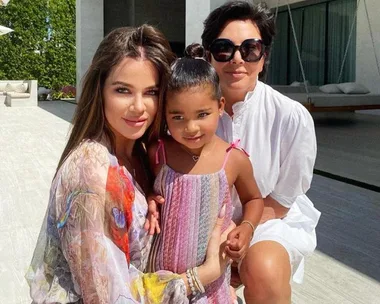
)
(196, 157)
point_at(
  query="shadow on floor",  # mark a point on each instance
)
(59, 108)
(349, 227)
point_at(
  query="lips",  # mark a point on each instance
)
(236, 74)
(135, 122)
(194, 138)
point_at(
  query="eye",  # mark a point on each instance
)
(153, 92)
(203, 114)
(122, 90)
(177, 117)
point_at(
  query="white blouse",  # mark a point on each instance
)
(278, 134)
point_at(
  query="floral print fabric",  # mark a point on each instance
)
(92, 247)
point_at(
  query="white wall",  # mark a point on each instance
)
(89, 33)
(366, 66)
(196, 13)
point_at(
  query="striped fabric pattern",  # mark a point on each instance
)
(192, 204)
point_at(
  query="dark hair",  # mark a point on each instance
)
(192, 71)
(259, 14)
(144, 42)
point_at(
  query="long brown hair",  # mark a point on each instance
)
(142, 42)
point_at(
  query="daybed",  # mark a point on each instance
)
(319, 101)
(18, 93)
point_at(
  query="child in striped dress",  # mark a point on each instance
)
(195, 172)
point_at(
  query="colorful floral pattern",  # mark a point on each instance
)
(92, 246)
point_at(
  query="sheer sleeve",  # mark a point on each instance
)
(100, 267)
(298, 153)
(83, 252)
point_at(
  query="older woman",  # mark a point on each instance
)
(278, 133)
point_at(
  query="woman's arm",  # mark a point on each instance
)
(298, 150)
(100, 267)
(273, 210)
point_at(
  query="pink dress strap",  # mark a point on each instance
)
(160, 147)
(233, 145)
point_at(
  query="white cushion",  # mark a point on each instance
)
(300, 84)
(9, 88)
(353, 88)
(18, 95)
(21, 88)
(331, 88)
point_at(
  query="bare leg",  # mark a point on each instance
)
(265, 273)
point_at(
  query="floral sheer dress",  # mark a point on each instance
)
(92, 247)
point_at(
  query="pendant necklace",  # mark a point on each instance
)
(196, 157)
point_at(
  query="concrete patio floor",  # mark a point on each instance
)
(344, 269)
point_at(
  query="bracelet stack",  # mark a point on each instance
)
(195, 283)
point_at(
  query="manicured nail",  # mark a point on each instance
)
(222, 211)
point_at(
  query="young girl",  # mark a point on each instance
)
(195, 171)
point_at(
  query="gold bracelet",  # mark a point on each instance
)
(250, 224)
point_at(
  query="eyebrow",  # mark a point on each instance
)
(128, 85)
(198, 111)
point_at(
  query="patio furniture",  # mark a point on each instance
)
(18, 93)
(316, 100)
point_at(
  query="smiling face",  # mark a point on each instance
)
(192, 116)
(131, 99)
(237, 77)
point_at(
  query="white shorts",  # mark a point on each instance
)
(296, 232)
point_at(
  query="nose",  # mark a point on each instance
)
(191, 127)
(237, 56)
(138, 105)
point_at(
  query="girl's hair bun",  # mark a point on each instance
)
(195, 50)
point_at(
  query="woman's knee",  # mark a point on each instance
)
(265, 273)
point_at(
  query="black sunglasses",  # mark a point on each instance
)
(251, 50)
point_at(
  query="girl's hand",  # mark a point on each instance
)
(153, 216)
(238, 240)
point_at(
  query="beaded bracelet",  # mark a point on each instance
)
(250, 224)
(198, 281)
(189, 277)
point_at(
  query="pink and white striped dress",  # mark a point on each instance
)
(192, 204)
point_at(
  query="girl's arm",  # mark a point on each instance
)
(251, 199)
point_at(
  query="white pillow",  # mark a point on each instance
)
(331, 88)
(21, 87)
(295, 84)
(9, 87)
(353, 88)
(299, 84)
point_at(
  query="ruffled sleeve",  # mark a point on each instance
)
(298, 153)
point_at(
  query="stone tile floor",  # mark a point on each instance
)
(31, 142)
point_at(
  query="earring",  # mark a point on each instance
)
(166, 130)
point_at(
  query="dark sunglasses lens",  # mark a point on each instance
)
(251, 50)
(222, 50)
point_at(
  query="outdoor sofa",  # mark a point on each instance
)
(331, 97)
(19, 93)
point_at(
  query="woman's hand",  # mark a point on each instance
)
(152, 223)
(216, 259)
